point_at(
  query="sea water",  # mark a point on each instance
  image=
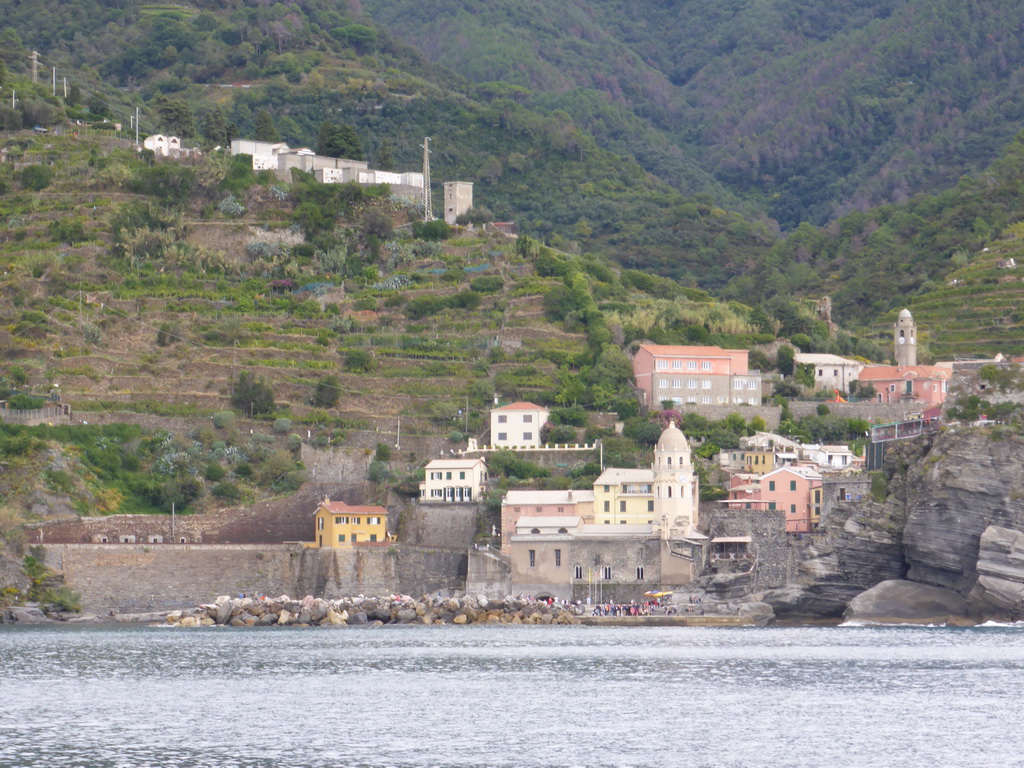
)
(136, 697)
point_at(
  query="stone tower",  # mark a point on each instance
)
(458, 198)
(675, 489)
(905, 339)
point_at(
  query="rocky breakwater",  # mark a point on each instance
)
(369, 611)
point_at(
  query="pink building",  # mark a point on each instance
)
(695, 375)
(792, 489)
(918, 383)
(519, 503)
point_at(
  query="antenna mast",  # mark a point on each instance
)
(428, 211)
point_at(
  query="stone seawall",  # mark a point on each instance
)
(139, 578)
(130, 578)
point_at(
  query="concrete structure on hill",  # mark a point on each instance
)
(518, 425)
(281, 159)
(904, 339)
(162, 146)
(337, 524)
(454, 480)
(701, 375)
(830, 371)
(458, 199)
(568, 503)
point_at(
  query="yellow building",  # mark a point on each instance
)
(759, 462)
(337, 524)
(624, 497)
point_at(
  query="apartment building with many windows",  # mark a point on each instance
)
(685, 375)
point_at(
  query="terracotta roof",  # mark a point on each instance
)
(341, 508)
(888, 372)
(676, 349)
(522, 405)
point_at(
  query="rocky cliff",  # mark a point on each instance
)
(954, 518)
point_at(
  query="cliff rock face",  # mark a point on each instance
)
(970, 480)
(954, 519)
(999, 590)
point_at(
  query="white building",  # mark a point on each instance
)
(829, 456)
(162, 145)
(830, 371)
(517, 425)
(454, 480)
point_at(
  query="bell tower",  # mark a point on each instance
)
(676, 494)
(905, 339)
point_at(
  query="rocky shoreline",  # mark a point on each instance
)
(370, 611)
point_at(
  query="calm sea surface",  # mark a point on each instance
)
(135, 697)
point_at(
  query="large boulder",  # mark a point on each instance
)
(999, 591)
(28, 615)
(899, 602)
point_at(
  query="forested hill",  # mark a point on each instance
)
(809, 108)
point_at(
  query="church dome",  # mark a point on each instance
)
(672, 440)
(905, 313)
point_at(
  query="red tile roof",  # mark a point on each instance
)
(522, 405)
(341, 508)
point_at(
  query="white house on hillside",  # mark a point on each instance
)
(454, 480)
(518, 425)
(830, 371)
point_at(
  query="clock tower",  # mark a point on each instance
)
(905, 339)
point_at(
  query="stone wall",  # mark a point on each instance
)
(443, 526)
(268, 522)
(881, 413)
(769, 545)
(488, 572)
(137, 578)
(131, 578)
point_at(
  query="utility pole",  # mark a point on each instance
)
(65, 89)
(53, 88)
(136, 126)
(35, 66)
(428, 211)
(172, 523)
(467, 414)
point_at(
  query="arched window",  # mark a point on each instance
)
(670, 491)
(670, 461)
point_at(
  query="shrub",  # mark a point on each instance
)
(561, 435)
(224, 419)
(576, 416)
(227, 490)
(63, 598)
(378, 472)
(383, 452)
(23, 402)
(326, 392)
(487, 284)
(214, 471)
(169, 333)
(243, 470)
(252, 394)
(358, 361)
(431, 230)
(36, 177)
(282, 426)
(455, 436)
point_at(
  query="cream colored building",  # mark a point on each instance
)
(517, 425)
(830, 371)
(454, 481)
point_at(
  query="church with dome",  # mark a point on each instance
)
(641, 534)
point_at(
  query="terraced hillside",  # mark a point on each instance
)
(978, 312)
